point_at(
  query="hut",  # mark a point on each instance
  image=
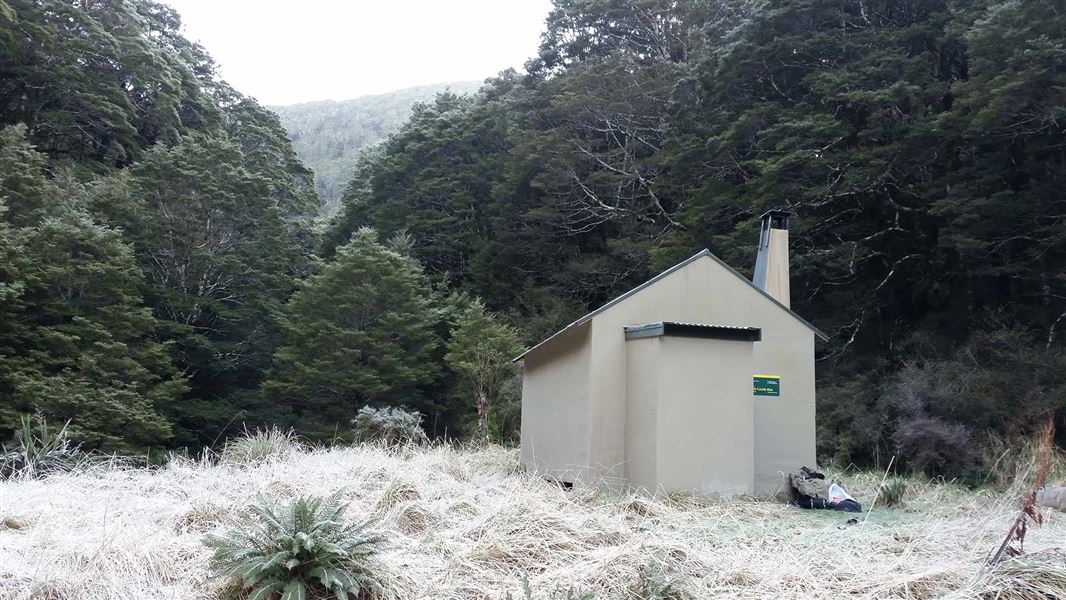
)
(698, 380)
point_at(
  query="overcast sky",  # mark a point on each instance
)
(283, 52)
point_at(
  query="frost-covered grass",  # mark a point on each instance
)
(470, 524)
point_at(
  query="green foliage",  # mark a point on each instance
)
(360, 331)
(37, 450)
(391, 426)
(917, 144)
(215, 238)
(299, 550)
(480, 352)
(115, 279)
(874, 133)
(428, 193)
(505, 418)
(261, 445)
(163, 221)
(98, 83)
(77, 344)
(329, 136)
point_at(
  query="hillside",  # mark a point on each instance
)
(329, 135)
(153, 222)
(469, 523)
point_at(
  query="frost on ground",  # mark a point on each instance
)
(470, 524)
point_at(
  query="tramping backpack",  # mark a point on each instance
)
(810, 489)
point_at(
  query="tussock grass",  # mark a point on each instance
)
(892, 491)
(1041, 575)
(253, 447)
(469, 524)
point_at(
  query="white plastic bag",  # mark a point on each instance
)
(837, 494)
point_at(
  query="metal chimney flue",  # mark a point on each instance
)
(771, 264)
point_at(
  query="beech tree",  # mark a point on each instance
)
(480, 352)
(76, 342)
(362, 331)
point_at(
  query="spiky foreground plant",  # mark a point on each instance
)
(38, 450)
(302, 549)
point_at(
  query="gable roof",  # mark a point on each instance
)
(662, 275)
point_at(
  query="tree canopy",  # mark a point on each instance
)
(156, 221)
(362, 331)
(164, 276)
(919, 144)
(330, 136)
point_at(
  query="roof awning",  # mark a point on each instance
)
(693, 330)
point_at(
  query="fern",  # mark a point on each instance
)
(304, 548)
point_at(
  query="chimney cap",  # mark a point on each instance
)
(776, 218)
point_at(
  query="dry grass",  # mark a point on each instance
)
(261, 445)
(468, 524)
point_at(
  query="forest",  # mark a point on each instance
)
(164, 280)
(329, 136)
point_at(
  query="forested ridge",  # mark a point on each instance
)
(163, 278)
(329, 136)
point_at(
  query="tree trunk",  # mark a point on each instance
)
(481, 404)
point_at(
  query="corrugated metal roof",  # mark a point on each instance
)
(700, 330)
(687, 324)
(676, 267)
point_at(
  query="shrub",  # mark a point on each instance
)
(391, 426)
(305, 547)
(848, 429)
(505, 421)
(37, 450)
(892, 491)
(260, 445)
(935, 447)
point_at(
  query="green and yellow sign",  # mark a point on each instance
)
(766, 385)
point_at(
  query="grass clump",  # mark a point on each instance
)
(653, 584)
(391, 426)
(527, 594)
(304, 549)
(892, 492)
(1040, 575)
(257, 446)
(38, 449)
